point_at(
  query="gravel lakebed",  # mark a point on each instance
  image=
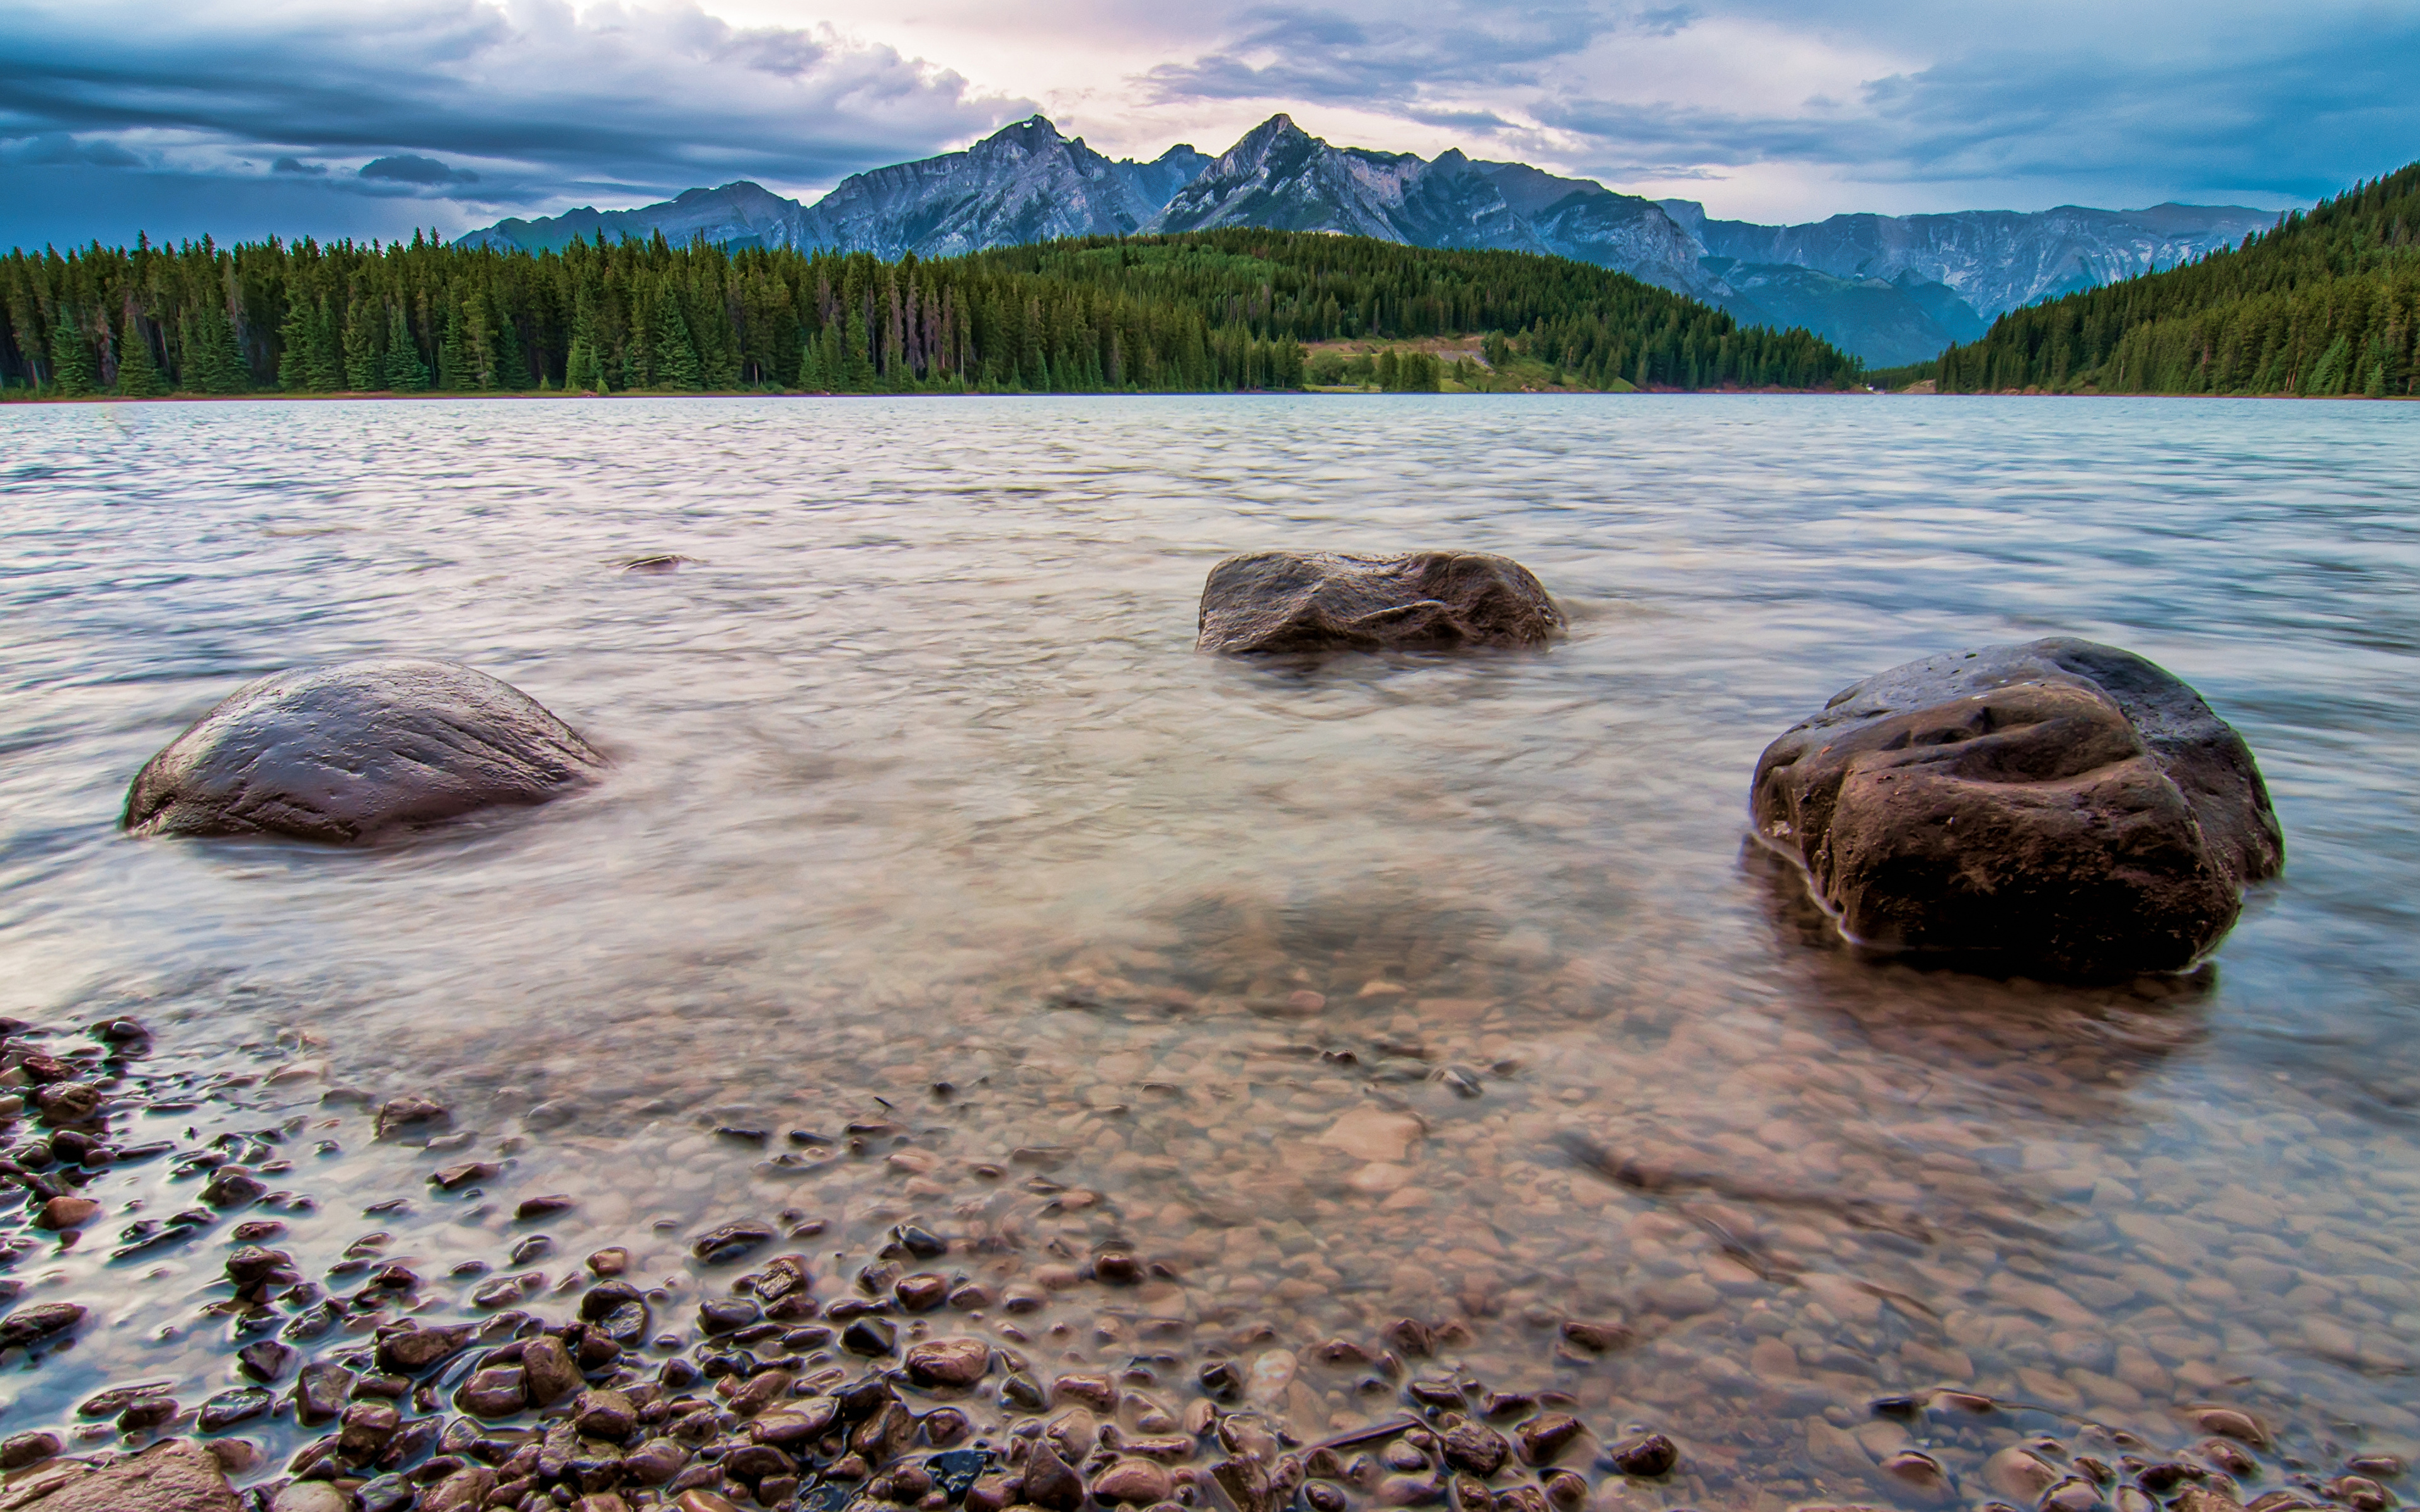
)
(384, 1297)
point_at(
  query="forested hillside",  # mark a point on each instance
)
(1219, 311)
(2326, 303)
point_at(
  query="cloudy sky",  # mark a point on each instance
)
(368, 117)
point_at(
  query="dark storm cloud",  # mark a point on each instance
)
(408, 168)
(513, 105)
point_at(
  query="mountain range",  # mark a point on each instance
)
(1892, 290)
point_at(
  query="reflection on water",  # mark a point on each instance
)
(1344, 992)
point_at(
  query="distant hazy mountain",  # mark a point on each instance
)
(1892, 290)
(1994, 260)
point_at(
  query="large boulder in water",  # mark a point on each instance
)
(1321, 601)
(2056, 809)
(351, 752)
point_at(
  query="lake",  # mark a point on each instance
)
(931, 840)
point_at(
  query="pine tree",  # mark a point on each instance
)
(296, 335)
(453, 361)
(676, 361)
(73, 370)
(403, 370)
(365, 373)
(138, 374)
(213, 362)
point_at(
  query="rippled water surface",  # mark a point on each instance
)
(1313, 983)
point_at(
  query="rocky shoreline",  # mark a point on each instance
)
(934, 1369)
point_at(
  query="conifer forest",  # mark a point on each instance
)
(1221, 311)
(2327, 304)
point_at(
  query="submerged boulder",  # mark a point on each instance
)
(1273, 601)
(2059, 807)
(351, 752)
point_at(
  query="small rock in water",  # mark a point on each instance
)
(549, 1368)
(398, 1114)
(67, 1212)
(24, 1449)
(1050, 1483)
(948, 1362)
(1136, 1481)
(1477, 1448)
(2230, 1422)
(27, 1325)
(731, 1241)
(229, 1408)
(498, 1391)
(1285, 601)
(1648, 1456)
(2019, 1474)
(869, 1336)
(356, 752)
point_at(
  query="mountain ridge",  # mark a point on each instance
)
(1893, 289)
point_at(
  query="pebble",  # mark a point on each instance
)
(718, 1246)
(67, 1212)
(949, 1363)
(410, 1113)
(2020, 1474)
(1050, 1482)
(22, 1449)
(1648, 1455)
(1136, 1481)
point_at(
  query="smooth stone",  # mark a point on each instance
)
(1285, 601)
(730, 1241)
(604, 1413)
(64, 1212)
(1050, 1483)
(2020, 1474)
(410, 1351)
(2059, 807)
(356, 752)
(549, 1370)
(229, 1408)
(24, 1449)
(320, 1393)
(410, 1112)
(175, 1476)
(310, 1496)
(655, 1462)
(1138, 1482)
(2229, 1422)
(1543, 1437)
(465, 1488)
(1649, 1454)
(498, 1391)
(1374, 1133)
(948, 1362)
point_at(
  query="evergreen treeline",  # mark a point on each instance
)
(2327, 302)
(1588, 323)
(1219, 311)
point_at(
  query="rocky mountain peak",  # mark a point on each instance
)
(1892, 288)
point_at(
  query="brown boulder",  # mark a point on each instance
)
(2059, 808)
(355, 752)
(1279, 601)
